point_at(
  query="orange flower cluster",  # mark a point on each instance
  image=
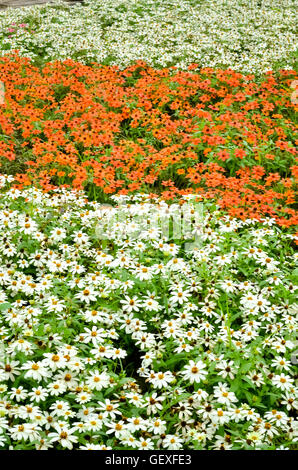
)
(217, 133)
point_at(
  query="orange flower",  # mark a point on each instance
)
(203, 131)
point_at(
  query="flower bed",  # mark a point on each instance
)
(214, 132)
(117, 335)
(148, 182)
(247, 35)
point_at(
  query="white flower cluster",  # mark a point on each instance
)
(135, 343)
(246, 35)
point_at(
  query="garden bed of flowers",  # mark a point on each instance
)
(249, 35)
(148, 209)
(117, 336)
(215, 132)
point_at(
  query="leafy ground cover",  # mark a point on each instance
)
(246, 35)
(118, 337)
(218, 133)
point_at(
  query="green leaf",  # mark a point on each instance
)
(5, 306)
